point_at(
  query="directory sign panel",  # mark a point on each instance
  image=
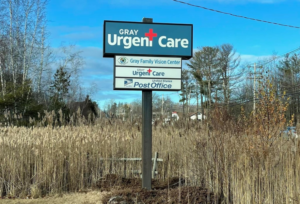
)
(144, 72)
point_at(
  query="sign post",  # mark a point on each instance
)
(147, 56)
(147, 139)
(146, 133)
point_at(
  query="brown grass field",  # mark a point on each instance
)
(93, 197)
(240, 160)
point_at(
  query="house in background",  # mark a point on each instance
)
(201, 116)
(87, 107)
(174, 116)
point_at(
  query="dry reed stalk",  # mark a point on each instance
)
(243, 166)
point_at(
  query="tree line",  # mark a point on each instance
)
(161, 106)
(33, 76)
(215, 77)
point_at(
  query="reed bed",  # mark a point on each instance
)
(235, 163)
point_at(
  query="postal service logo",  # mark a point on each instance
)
(128, 82)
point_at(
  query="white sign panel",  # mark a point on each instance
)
(141, 61)
(152, 84)
(142, 72)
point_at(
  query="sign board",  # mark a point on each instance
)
(147, 39)
(150, 84)
(143, 72)
(143, 61)
(147, 73)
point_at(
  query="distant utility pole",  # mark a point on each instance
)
(197, 94)
(162, 105)
(189, 102)
(254, 80)
(254, 87)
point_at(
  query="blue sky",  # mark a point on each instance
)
(81, 22)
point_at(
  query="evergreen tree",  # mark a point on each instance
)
(19, 100)
(114, 109)
(230, 75)
(197, 72)
(205, 67)
(127, 110)
(187, 88)
(59, 91)
(289, 71)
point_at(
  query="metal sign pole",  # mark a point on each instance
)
(147, 139)
(146, 133)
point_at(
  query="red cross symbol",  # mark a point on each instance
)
(149, 70)
(150, 35)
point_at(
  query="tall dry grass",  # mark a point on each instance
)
(242, 161)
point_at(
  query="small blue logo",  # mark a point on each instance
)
(123, 60)
(128, 82)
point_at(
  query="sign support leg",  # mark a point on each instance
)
(147, 139)
(147, 133)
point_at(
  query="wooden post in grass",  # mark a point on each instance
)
(154, 164)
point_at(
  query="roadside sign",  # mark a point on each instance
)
(148, 57)
(147, 84)
(146, 61)
(147, 39)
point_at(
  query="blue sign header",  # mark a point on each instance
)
(147, 39)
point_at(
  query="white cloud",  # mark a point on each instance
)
(80, 36)
(253, 58)
(76, 33)
(118, 96)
